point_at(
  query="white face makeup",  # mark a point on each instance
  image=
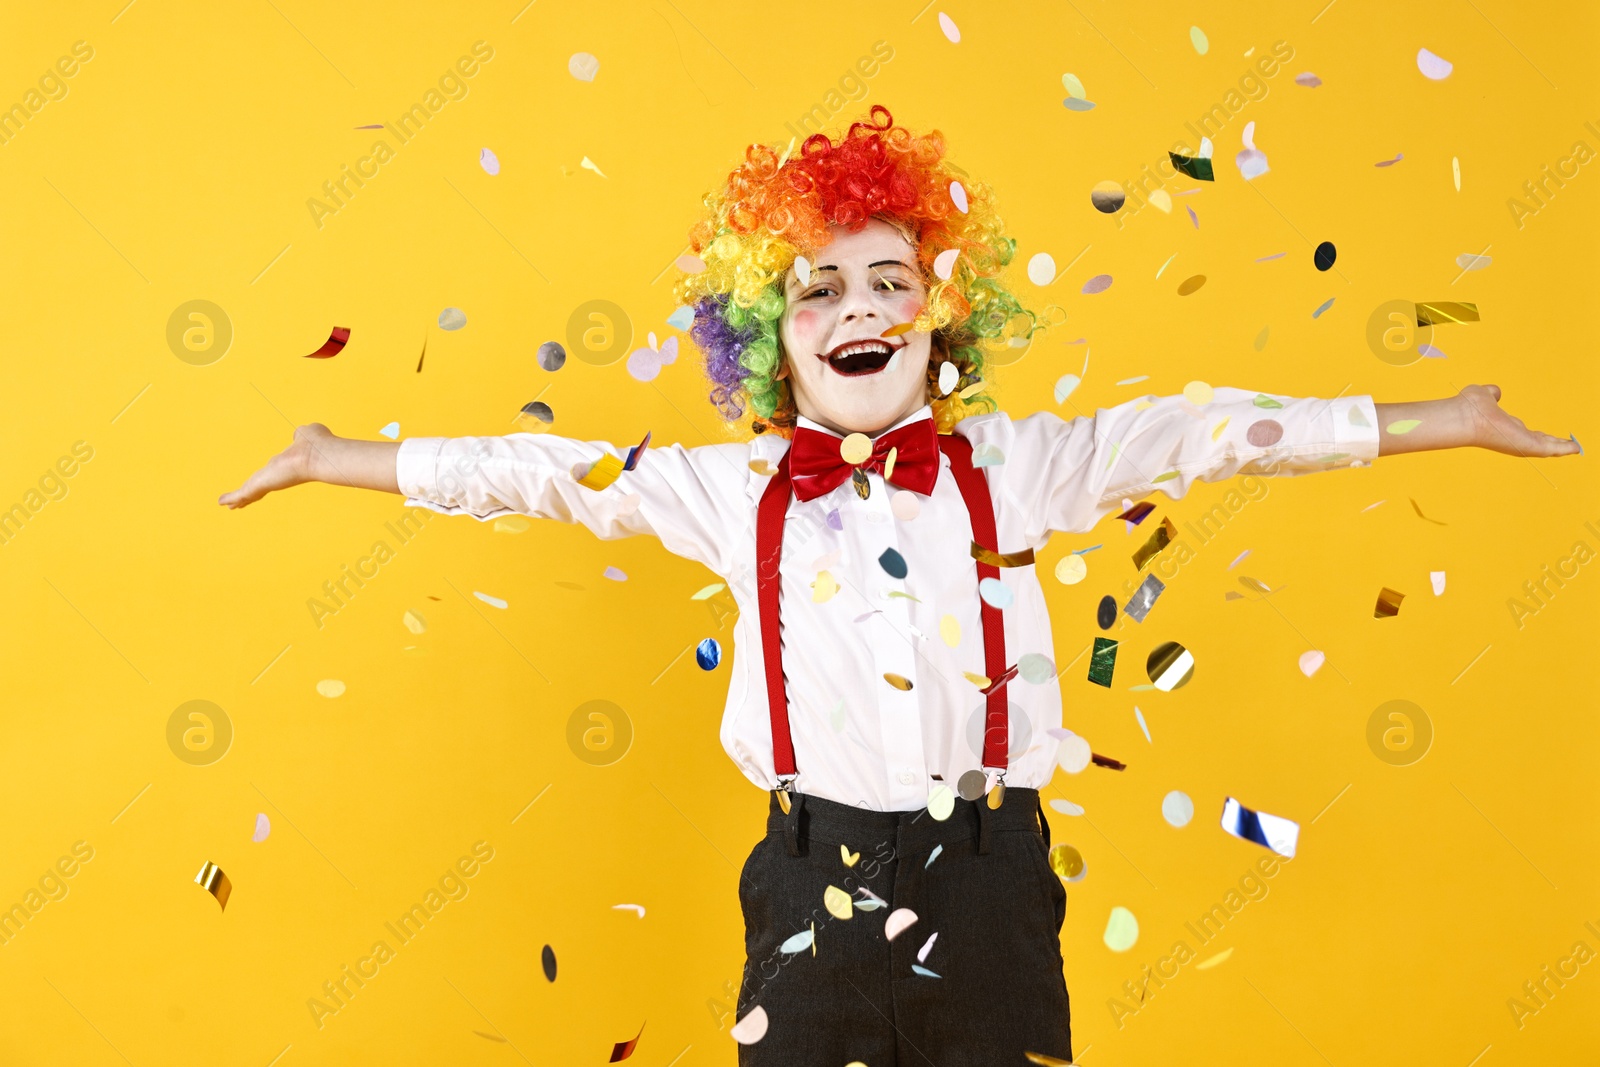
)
(842, 373)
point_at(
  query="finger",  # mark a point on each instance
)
(1495, 390)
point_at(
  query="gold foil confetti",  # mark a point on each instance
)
(1169, 665)
(601, 473)
(1033, 1057)
(899, 681)
(1444, 312)
(858, 478)
(1160, 538)
(1023, 558)
(213, 881)
(1066, 861)
(1388, 605)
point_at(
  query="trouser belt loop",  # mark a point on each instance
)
(791, 824)
(1044, 823)
(981, 806)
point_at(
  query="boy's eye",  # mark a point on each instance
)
(886, 285)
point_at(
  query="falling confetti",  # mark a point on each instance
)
(623, 1049)
(1177, 808)
(1197, 37)
(414, 622)
(1066, 862)
(708, 654)
(1437, 578)
(488, 161)
(1042, 268)
(1169, 665)
(1433, 67)
(1098, 284)
(958, 196)
(391, 431)
(539, 411)
(1191, 284)
(1398, 156)
(1324, 307)
(452, 319)
(1074, 753)
(1471, 262)
(752, 1028)
(588, 164)
(1444, 312)
(1122, 930)
(1193, 217)
(1066, 807)
(639, 908)
(1324, 256)
(491, 1037)
(583, 66)
(947, 24)
(1138, 717)
(1388, 605)
(492, 601)
(547, 958)
(1196, 167)
(899, 681)
(330, 688)
(1400, 426)
(1307, 79)
(616, 574)
(263, 827)
(1108, 196)
(213, 881)
(1211, 961)
(1311, 662)
(898, 921)
(1074, 87)
(1071, 569)
(1455, 170)
(1277, 833)
(1102, 661)
(995, 593)
(337, 339)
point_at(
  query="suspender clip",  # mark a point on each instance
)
(785, 787)
(997, 795)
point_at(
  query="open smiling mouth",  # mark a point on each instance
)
(860, 358)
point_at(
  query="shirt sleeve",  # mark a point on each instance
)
(1081, 470)
(693, 499)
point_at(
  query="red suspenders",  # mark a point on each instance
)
(769, 551)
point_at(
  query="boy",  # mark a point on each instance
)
(848, 295)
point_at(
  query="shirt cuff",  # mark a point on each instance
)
(416, 466)
(1355, 428)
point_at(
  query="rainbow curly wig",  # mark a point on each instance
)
(773, 208)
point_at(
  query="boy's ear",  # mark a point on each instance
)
(783, 370)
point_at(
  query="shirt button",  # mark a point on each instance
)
(907, 777)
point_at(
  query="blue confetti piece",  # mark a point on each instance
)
(1573, 438)
(1081, 551)
(1074, 104)
(920, 969)
(1323, 308)
(933, 855)
(708, 654)
(893, 563)
(995, 593)
(682, 318)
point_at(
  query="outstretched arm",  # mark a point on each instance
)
(1471, 417)
(316, 455)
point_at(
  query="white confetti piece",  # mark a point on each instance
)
(958, 196)
(1074, 754)
(452, 319)
(488, 161)
(948, 25)
(616, 574)
(414, 622)
(492, 601)
(751, 1028)
(1065, 385)
(1433, 67)
(1311, 662)
(1437, 578)
(1122, 930)
(639, 908)
(949, 377)
(1177, 808)
(263, 827)
(1042, 268)
(897, 922)
(802, 269)
(944, 264)
(927, 946)
(583, 66)
(1066, 807)
(330, 688)
(1137, 714)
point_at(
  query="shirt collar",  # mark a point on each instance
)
(924, 412)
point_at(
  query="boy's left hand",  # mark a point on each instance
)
(1490, 426)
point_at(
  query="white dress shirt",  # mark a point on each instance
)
(857, 739)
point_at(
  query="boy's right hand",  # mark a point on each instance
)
(293, 466)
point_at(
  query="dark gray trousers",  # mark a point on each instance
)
(989, 895)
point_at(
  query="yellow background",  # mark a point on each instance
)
(178, 167)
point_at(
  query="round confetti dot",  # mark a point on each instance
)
(452, 319)
(1108, 196)
(644, 364)
(1042, 268)
(893, 563)
(551, 356)
(1106, 613)
(855, 448)
(1324, 256)
(970, 784)
(752, 1028)
(1434, 68)
(1074, 754)
(1264, 432)
(1198, 393)
(904, 505)
(1191, 284)
(1169, 665)
(1177, 808)
(331, 688)
(583, 66)
(1067, 862)
(538, 409)
(708, 654)
(1071, 569)
(995, 593)
(1035, 668)
(1122, 930)
(950, 630)
(941, 802)
(1098, 284)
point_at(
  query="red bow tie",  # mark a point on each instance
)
(816, 467)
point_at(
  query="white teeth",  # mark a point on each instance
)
(865, 346)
